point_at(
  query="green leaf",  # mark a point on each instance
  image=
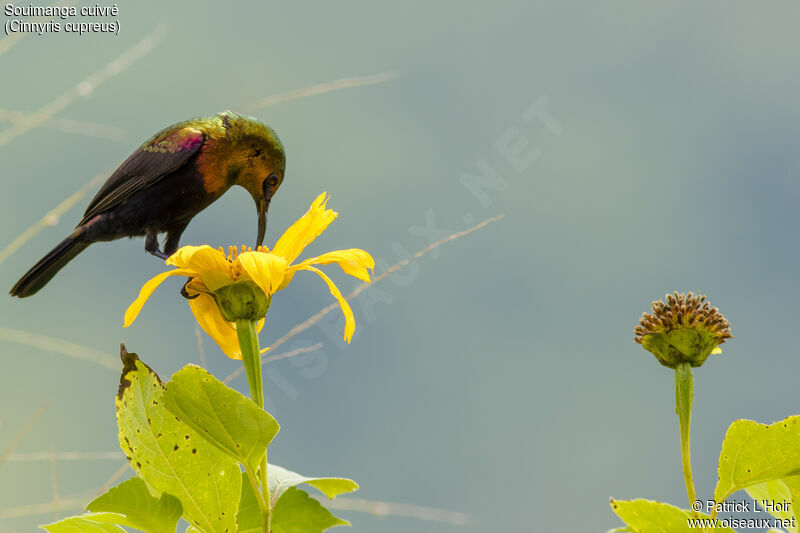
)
(297, 512)
(139, 508)
(281, 479)
(249, 517)
(294, 511)
(170, 456)
(281, 484)
(223, 416)
(646, 516)
(782, 494)
(754, 453)
(88, 523)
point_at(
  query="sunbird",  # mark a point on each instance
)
(168, 180)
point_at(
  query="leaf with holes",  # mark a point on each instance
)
(754, 453)
(646, 516)
(221, 415)
(170, 456)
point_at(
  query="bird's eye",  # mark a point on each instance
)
(271, 181)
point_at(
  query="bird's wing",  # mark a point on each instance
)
(156, 158)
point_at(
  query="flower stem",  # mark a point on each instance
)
(251, 357)
(684, 393)
(248, 342)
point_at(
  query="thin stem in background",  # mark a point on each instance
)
(113, 479)
(54, 477)
(60, 346)
(35, 509)
(322, 88)
(198, 333)
(66, 125)
(103, 359)
(398, 509)
(291, 353)
(21, 435)
(32, 457)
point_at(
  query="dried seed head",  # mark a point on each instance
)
(684, 329)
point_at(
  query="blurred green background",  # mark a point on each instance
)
(496, 377)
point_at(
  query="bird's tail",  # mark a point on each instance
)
(47, 267)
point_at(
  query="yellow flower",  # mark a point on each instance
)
(210, 270)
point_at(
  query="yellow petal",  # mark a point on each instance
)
(353, 261)
(208, 264)
(287, 278)
(305, 230)
(349, 319)
(716, 350)
(208, 315)
(210, 319)
(184, 254)
(265, 269)
(133, 310)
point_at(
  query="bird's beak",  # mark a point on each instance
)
(263, 207)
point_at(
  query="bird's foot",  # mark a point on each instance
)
(151, 246)
(186, 294)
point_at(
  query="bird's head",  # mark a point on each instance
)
(256, 161)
